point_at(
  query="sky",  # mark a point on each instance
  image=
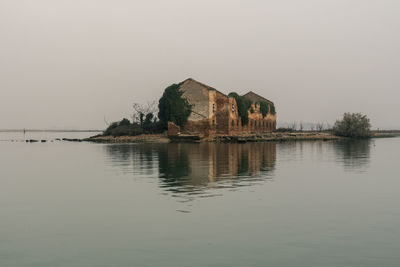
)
(78, 63)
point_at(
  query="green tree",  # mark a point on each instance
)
(173, 107)
(149, 119)
(354, 125)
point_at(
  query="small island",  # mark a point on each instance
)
(191, 111)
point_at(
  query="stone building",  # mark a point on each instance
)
(215, 113)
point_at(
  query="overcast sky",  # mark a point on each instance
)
(66, 63)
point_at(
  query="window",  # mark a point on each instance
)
(233, 107)
(213, 108)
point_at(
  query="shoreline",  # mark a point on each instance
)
(268, 137)
(186, 138)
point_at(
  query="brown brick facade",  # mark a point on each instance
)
(216, 113)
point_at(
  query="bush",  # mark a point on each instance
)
(110, 128)
(123, 127)
(173, 107)
(131, 130)
(124, 122)
(284, 130)
(153, 127)
(354, 125)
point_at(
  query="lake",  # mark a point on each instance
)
(255, 204)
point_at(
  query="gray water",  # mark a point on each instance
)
(256, 204)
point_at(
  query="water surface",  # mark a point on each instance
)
(255, 204)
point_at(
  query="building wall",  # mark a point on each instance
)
(215, 113)
(198, 96)
(202, 120)
(257, 123)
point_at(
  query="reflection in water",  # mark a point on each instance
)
(193, 168)
(354, 154)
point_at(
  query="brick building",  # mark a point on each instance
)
(215, 113)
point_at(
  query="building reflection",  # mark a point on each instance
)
(191, 168)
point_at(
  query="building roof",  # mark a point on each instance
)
(204, 85)
(257, 98)
(250, 95)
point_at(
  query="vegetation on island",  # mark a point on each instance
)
(173, 107)
(266, 108)
(244, 105)
(353, 125)
(153, 118)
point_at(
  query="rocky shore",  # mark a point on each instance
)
(143, 138)
(187, 138)
(268, 137)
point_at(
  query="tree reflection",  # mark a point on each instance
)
(354, 154)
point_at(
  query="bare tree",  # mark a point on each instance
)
(301, 126)
(312, 127)
(105, 121)
(140, 111)
(320, 126)
(293, 126)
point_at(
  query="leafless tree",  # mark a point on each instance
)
(140, 111)
(293, 126)
(312, 127)
(320, 126)
(301, 126)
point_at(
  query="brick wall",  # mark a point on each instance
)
(173, 129)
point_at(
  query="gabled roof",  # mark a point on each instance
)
(202, 84)
(256, 97)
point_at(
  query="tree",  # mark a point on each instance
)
(173, 107)
(320, 126)
(140, 111)
(354, 125)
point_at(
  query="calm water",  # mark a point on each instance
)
(259, 204)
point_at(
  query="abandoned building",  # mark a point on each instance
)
(214, 113)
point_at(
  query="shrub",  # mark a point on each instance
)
(283, 130)
(123, 127)
(354, 125)
(124, 122)
(173, 107)
(131, 130)
(154, 127)
(110, 128)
